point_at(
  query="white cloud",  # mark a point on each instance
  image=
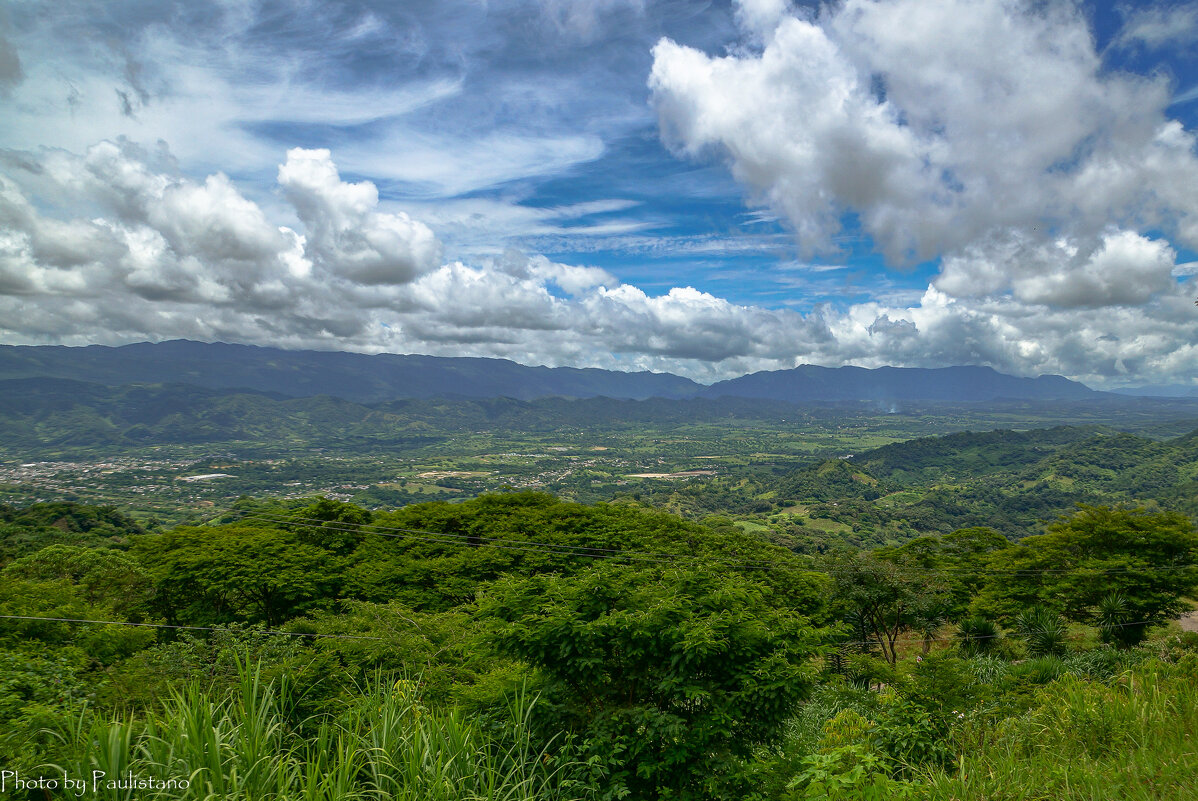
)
(346, 235)
(1185, 96)
(225, 89)
(761, 17)
(1007, 121)
(450, 163)
(986, 134)
(1121, 268)
(153, 255)
(1158, 26)
(796, 125)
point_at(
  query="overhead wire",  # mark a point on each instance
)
(191, 628)
(312, 635)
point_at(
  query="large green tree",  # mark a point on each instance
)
(236, 572)
(957, 560)
(883, 597)
(1145, 558)
(665, 672)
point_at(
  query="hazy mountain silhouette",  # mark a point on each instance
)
(364, 378)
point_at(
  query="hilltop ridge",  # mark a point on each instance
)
(372, 378)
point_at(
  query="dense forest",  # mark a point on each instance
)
(520, 646)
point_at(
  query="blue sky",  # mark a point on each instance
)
(706, 188)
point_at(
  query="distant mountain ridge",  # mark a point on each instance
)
(891, 384)
(1159, 391)
(364, 378)
(357, 377)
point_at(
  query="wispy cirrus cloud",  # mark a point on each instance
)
(1158, 25)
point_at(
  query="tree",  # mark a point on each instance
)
(665, 673)
(1147, 558)
(958, 559)
(106, 577)
(236, 572)
(886, 598)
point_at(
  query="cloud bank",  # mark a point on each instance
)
(153, 255)
(987, 135)
(1047, 198)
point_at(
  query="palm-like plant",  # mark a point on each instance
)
(977, 636)
(1114, 617)
(1043, 630)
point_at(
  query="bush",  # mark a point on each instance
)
(1043, 630)
(977, 636)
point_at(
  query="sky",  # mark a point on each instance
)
(704, 188)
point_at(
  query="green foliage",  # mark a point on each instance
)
(235, 572)
(39, 692)
(108, 578)
(847, 773)
(668, 666)
(665, 673)
(1085, 740)
(1116, 621)
(45, 604)
(385, 744)
(26, 530)
(1038, 671)
(834, 479)
(1149, 558)
(885, 598)
(214, 660)
(912, 736)
(1043, 631)
(533, 533)
(977, 636)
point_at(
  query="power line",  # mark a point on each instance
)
(191, 628)
(971, 637)
(840, 644)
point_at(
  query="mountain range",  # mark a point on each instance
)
(366, 378)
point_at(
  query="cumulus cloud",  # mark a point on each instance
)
(1008, 121)
(149, 254)
(761, 17)
(157, 255)
(346, 234)
(1122, 268)
(985, 135)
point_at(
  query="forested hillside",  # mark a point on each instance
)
(746, 599)
(358, 377)
(1012, 481)
(365, 378)
(518, 646)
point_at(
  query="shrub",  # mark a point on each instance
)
(1043, 631)
(977, 636)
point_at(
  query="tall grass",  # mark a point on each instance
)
(387, 745)
(1134, 740)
